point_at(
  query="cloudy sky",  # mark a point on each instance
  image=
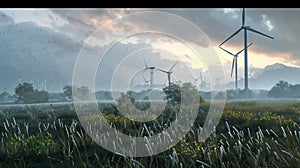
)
(41, 45)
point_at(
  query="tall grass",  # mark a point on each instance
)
(250, 138)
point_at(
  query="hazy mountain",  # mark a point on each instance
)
(267, 77)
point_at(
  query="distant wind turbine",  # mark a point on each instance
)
(151, 68)
(169, 72)
(218, 81)
(196, 80)
(146, 82)
(245, 28)
(203, 83)
(234, 63)
(45, 85)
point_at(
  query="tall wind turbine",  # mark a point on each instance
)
(234, 63)
(245, 28)
(169, 72)
(151, 68)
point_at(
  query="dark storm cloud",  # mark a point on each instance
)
(5, 19)
(33, 53)
(91, 20)
(218, 25)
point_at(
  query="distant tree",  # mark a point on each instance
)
(57, 97)
(25, 93)
(4, 96)
(40, 96)
(220, 95)
(242, 94)
(175, 93)
(82, 92)
(295, 91)
(280, 90)
(68, 91)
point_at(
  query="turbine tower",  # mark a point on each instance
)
(234, 63)
(146, 82)
(151, 68)
(245, 28)
(169, 72)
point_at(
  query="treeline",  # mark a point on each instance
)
(283, 89)
(26, 93)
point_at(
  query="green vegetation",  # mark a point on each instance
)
(27, 94)
(283, 89)
(250, 134)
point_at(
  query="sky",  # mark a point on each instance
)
(42, 46)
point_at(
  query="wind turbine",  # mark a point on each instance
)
(201, 79)
(146, 82)
(203, 83)
(218, 81)
(45, 85)
(151, 68)
(245, 28)
(169, 72)
(234, 63)
(195, 80)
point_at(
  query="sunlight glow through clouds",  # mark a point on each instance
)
(258, 60)
(186, 54)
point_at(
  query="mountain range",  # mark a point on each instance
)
(268, 76)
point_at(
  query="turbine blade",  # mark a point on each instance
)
(243, 49)
(243, 17)
(233, 61)
(145, 62)
(193, 77)
(255, 31)
(251, 72)
(162, 70)
(173, 66)
(226, 50)
(231, 36)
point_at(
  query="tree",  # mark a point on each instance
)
(280, 90)
(25, 93)
(175, 93)
(4, 96)
(82, 92)
(68, 91)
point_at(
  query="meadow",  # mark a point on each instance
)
(249, 134)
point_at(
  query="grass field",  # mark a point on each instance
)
(250, 134)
